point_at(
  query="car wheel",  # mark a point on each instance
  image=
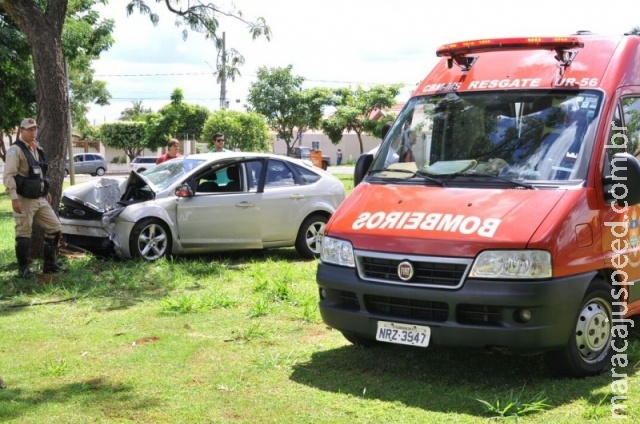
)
(589, 349)
(150, 239)
(308, 240)
(100, 172)
(66, 172)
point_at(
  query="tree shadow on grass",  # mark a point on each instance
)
(439, 380)
(121, 284)
(93, 393)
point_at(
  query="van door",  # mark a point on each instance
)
(621, 224)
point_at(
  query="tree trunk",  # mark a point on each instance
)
(44, 35)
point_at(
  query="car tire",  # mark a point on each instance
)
(589, 349)
(100, 172)
(308, 239)
(66, 172)
(150, 240)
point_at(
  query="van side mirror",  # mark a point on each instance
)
(622, 186)
(362, 166)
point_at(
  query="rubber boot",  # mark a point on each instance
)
(22, 254)
(50, 252)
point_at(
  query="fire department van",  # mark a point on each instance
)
(502, 210)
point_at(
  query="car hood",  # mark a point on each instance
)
(440, 222)
(92, 199)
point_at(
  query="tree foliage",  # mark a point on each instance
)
(289, 109)
(85, 36)
(244, 131)
(175, 120)
(354, 109)
(128, 136)
(136, 112)
(17, 90)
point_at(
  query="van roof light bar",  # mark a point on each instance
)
(461, 53)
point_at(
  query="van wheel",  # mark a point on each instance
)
(100, 172)
(308, 240)
(589, 350)
(360, 341)
(150, 239)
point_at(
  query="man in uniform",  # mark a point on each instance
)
(26, 184)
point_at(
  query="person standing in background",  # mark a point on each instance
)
(218, 143)
(339, 157)
(25, 179)
(173, 148)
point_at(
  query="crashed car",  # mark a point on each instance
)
(204, 203)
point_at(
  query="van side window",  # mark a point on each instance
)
(631, 109)
(616, 137)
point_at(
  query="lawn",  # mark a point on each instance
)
(238, 338)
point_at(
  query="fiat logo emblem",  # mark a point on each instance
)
(405, 270)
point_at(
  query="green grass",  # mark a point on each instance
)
(238, 338)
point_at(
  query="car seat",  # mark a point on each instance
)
(209, 185)
(233, 175)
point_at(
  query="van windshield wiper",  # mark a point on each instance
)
(408, 171)
(495, 177)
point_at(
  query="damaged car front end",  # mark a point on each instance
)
(88, 212)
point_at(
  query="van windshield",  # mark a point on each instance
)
(541, 135)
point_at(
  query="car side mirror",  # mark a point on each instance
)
(362, 166)
(622, 185)
(183, 190)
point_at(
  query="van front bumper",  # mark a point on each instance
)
(480, 314)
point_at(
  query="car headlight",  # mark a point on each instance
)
(339, 252)
(512, 264)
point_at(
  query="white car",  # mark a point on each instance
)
(204, 203)
(142, 163)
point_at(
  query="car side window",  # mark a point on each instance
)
(307, 176)
(254, 170)
(279, 174)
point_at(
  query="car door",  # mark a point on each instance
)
(218, 221)
(283, 199)
(80, 164)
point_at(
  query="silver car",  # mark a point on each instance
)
(204, 203)
(87, 163)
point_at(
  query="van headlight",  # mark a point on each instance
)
(512, 264)
(338, 252)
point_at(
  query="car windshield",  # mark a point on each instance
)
(165, 174)
(538, 136)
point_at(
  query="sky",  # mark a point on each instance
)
(331, 43)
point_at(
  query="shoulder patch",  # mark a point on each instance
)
(11, 152)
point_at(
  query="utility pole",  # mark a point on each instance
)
(223, 75)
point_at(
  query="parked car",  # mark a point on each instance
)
(142, 163)
(204, 203)
(305, 153)
(87, 163)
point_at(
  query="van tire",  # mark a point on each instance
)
(588, 351)
(307, 241)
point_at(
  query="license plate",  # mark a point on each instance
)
(407, 334)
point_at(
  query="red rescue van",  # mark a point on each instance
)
(502, 210)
